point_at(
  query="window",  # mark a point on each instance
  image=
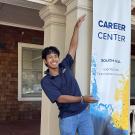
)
(29, 72)
(132, 93)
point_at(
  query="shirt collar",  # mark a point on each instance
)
(61, 71)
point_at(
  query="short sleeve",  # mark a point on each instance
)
(51, 91)
(67, 61)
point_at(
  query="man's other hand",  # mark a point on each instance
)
(89, 99)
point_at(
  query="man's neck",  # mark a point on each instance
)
(54, 72)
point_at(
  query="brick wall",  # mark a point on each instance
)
(10, 107)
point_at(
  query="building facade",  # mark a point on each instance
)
(59, 18)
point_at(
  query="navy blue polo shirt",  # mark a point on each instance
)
(63, 84)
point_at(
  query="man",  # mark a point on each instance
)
(61, 87)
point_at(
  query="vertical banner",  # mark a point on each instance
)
(110, 66)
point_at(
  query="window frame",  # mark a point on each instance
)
(20, 48)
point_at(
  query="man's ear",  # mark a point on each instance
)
(45, 61)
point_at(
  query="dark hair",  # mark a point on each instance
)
(49, 50)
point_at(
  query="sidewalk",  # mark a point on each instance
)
(28, 127)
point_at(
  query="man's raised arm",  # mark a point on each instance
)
(74, 40)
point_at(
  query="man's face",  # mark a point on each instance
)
(52, 61)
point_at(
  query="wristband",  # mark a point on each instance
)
(81, 99)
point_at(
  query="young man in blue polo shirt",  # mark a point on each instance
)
(61, 87)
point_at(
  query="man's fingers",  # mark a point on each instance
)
(82, 18)
(93, 100)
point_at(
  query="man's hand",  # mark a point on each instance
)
(79, 21)
(89, 99)
(74, 39)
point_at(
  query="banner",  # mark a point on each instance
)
(110, 66)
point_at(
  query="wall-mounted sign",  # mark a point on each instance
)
(110, 67)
